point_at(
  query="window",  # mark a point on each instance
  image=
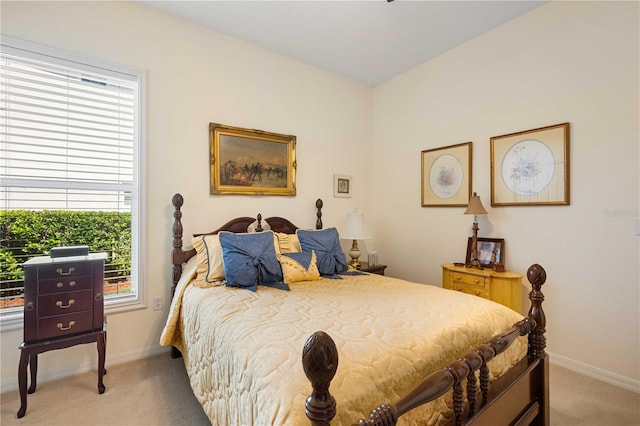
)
(70, 165)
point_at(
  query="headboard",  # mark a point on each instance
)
(238, 225)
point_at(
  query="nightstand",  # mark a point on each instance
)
(63, 307)
(375, 269)
(502, 287)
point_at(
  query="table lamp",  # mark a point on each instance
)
(354, 229)
(475, 208)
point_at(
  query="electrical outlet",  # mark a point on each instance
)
(157, 303)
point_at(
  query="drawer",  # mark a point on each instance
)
(62, 270)
(63, 325)
(468, 279)
(63, 303)
(471, 289)
(59, 285)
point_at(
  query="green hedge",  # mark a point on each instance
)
(27, 233)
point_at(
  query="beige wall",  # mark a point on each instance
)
(194, 77)
(565, 61)
(562, 62)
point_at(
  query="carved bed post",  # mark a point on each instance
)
(320, 362)
(259, 226)
(537, 341)
(319, 205)
(177, 202)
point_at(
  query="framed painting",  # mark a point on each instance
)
(342, 186)
(531, 167)
(251, 162)
(446, 176)
(490, 251)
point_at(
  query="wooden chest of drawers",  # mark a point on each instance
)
(63, 296)
(63, 307)
(501, 287)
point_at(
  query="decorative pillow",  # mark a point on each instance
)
(210, 267)
(250, 259)
(299, 266)
(288, 243)
(326, 243)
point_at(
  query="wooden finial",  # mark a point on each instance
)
(320, 363)
(319, 205)
(537, 341)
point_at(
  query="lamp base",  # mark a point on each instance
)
(354, 253)
(475, 263)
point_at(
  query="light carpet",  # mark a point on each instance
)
(155, 391)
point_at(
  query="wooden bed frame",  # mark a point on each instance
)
(519, 397)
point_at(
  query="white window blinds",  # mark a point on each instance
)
(67, 135)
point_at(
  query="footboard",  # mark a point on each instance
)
(521, 396)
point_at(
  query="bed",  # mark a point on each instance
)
(410, 353)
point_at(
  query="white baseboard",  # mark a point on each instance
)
(595, 372)
(55, 374)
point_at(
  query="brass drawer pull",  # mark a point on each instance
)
(29, 307)
(69, 272)
(71, 324)
(71, 283)
(61, 306)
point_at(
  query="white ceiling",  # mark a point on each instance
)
(368, 41)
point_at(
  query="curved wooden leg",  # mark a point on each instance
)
(33, 368)
(101, 341)
(22, 381)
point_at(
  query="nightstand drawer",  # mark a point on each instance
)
(64, 303)
(62, 325)
(62, 270)
(470, 289)
(501, 287)
(59, 285)
(469, 280)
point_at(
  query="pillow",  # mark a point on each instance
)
(299, 266)
(288, 243)
(326, 243)
(250, 259)
(210, 267)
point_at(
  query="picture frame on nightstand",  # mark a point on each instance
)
(490, 251)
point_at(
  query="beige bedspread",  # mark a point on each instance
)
(243, 350)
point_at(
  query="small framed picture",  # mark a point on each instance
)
(490, 251)
(342, 186)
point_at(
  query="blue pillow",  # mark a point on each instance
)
(250, 259)
(326, 243)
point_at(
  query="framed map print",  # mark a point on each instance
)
(531, 167)
(446, 176)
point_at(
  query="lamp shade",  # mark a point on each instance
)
(354, 228)
(475, 206)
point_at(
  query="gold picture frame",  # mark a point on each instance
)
(251, 162)
(531, 168)
(446, 175)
